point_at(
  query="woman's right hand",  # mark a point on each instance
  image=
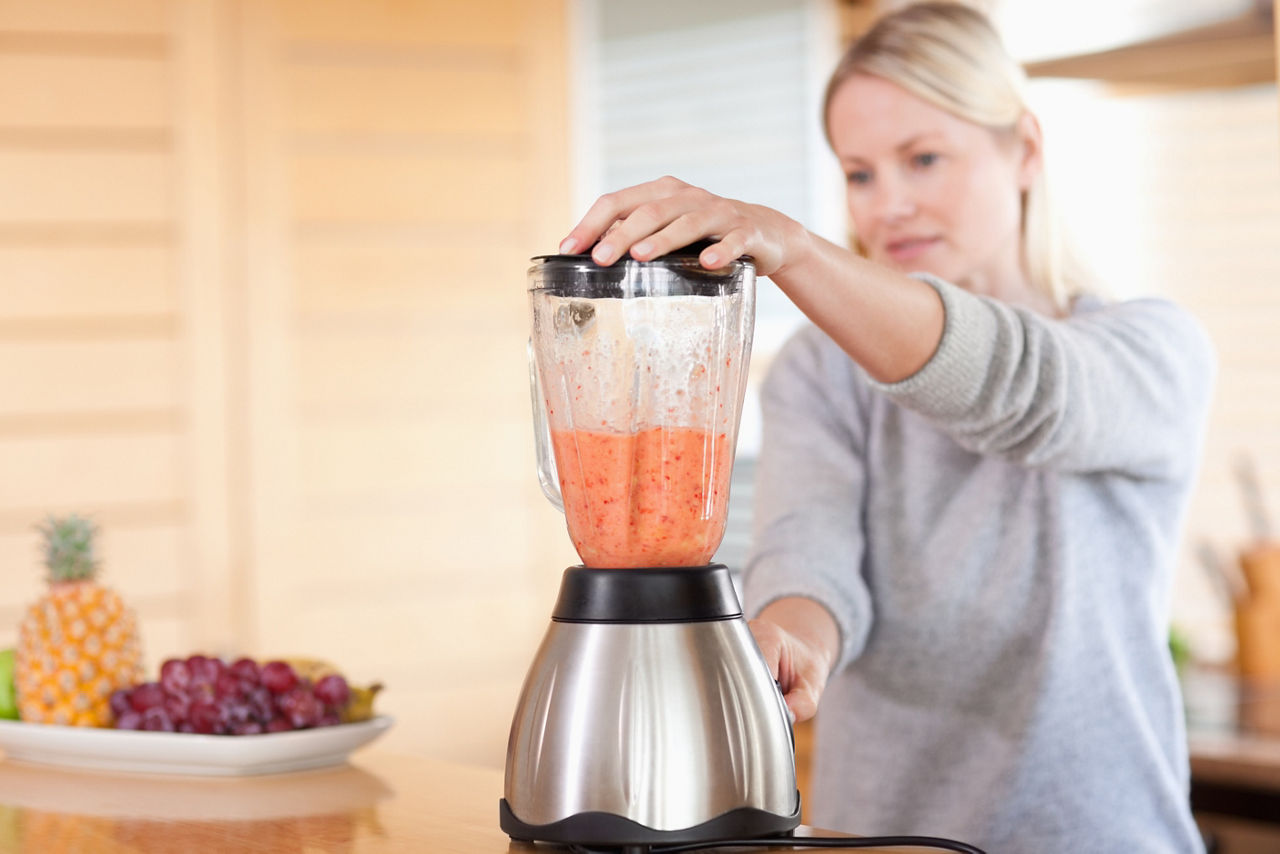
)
(657, 217)
(888, 322)
(800, 643)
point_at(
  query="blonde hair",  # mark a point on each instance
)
(951, 56)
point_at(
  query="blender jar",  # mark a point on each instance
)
(638, 372)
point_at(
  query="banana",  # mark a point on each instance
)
(360, 706)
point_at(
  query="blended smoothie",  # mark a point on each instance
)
(658, 497)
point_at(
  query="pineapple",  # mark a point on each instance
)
(77, 643)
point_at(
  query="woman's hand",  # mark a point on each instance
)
(660, 216)
(800, 642)
(888, 322)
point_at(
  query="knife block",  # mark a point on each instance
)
(1257, 616)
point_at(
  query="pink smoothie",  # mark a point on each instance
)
(654, 498)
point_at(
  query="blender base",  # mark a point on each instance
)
(605, 830)
(649, 718)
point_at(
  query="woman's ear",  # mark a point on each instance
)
(1031, 149)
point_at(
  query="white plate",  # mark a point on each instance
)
(186, 753)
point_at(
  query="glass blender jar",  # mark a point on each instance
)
(648, 716)
(638, 372)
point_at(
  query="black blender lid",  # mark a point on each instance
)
(679, 271)
(684, 253)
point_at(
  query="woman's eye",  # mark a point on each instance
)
(858, 176)
(924, 159)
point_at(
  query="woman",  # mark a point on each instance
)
(972, 479)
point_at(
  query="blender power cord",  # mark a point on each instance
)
(804, 842)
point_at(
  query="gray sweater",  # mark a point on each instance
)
(995, 537)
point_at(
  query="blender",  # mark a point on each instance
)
(648, 716)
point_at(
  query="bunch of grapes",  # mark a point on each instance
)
(206, 695)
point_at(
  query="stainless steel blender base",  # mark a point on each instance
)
(647, 731)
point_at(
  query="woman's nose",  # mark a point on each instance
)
(893, 200)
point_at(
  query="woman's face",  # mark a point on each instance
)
(928, 191)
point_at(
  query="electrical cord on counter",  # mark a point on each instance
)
(804, 842)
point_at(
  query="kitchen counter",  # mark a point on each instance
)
(1233, 732)
(387, 802)
(380, 802)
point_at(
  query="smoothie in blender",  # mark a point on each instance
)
(654, 498)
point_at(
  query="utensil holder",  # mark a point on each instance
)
(1257, 617)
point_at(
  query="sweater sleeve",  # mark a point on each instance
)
(810, 483)
(1121, 388)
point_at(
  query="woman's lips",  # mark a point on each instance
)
(910, 248)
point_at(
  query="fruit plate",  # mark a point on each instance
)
(187, 753)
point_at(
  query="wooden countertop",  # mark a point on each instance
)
(1233, 729)
(387, 802)
(380, 802)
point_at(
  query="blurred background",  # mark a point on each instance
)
(262, 269)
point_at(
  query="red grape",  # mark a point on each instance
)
(197, 666)
(120, 701)
(332, 690)
(129, 720)
(177, 704)
(204, 717)
(278, 677)
(236, 711)
(227, 686)
(262, 703)
(205, 669)
(246, 670)
(203, 694)
(156, 719)
(175, 675)
(146, 696)
(301, 707)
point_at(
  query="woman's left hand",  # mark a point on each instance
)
(652, 219)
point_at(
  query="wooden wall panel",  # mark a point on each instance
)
(103, 17)
(208, 282)
(64, 473)
(93, 357)
(454, 100)
(360, 457)
(76, 92)
(407, 516)
(262, 314)
(88, 375)
(50, 187)
(345, 373)
(410, 558)
(426, 633)
(460, 188)
(417, 280)
(482, 24)
(85, 281)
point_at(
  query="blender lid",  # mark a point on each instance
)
(682, 257)
(679, 272)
